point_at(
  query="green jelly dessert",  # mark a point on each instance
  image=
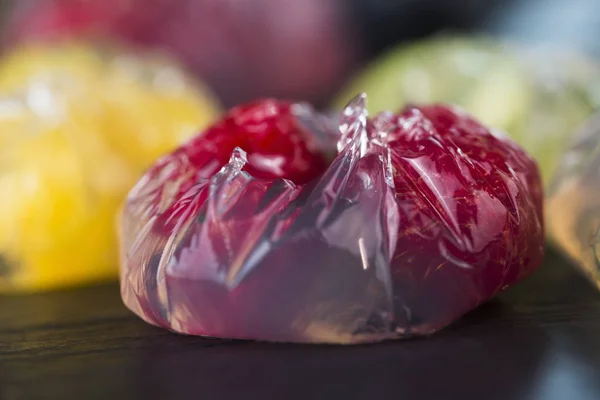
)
(537, 96)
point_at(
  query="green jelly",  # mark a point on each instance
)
(538, 97)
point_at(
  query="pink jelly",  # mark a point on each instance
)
(421, 217)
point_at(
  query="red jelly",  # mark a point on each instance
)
(421, 217)
(242, 49)
(277, 145)
(470, 215)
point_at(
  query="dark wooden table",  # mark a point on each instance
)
(540, 340)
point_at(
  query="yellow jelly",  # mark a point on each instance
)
(78, 125)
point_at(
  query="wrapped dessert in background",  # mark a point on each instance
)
(573, 202)
(538, 97)
(78, 126)
(242, 49)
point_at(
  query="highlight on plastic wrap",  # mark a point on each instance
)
(420, 217)
(78, 126)
(573, 202)
(538, 96)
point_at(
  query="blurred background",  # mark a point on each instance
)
(302, 50)
(92, 92)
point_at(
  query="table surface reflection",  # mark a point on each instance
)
(539, 340)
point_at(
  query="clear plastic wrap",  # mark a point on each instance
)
(78, 126)
(420, 218)
(573, 201)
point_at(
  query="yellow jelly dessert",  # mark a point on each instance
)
(78, 126)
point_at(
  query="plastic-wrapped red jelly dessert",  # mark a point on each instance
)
(420, 217)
